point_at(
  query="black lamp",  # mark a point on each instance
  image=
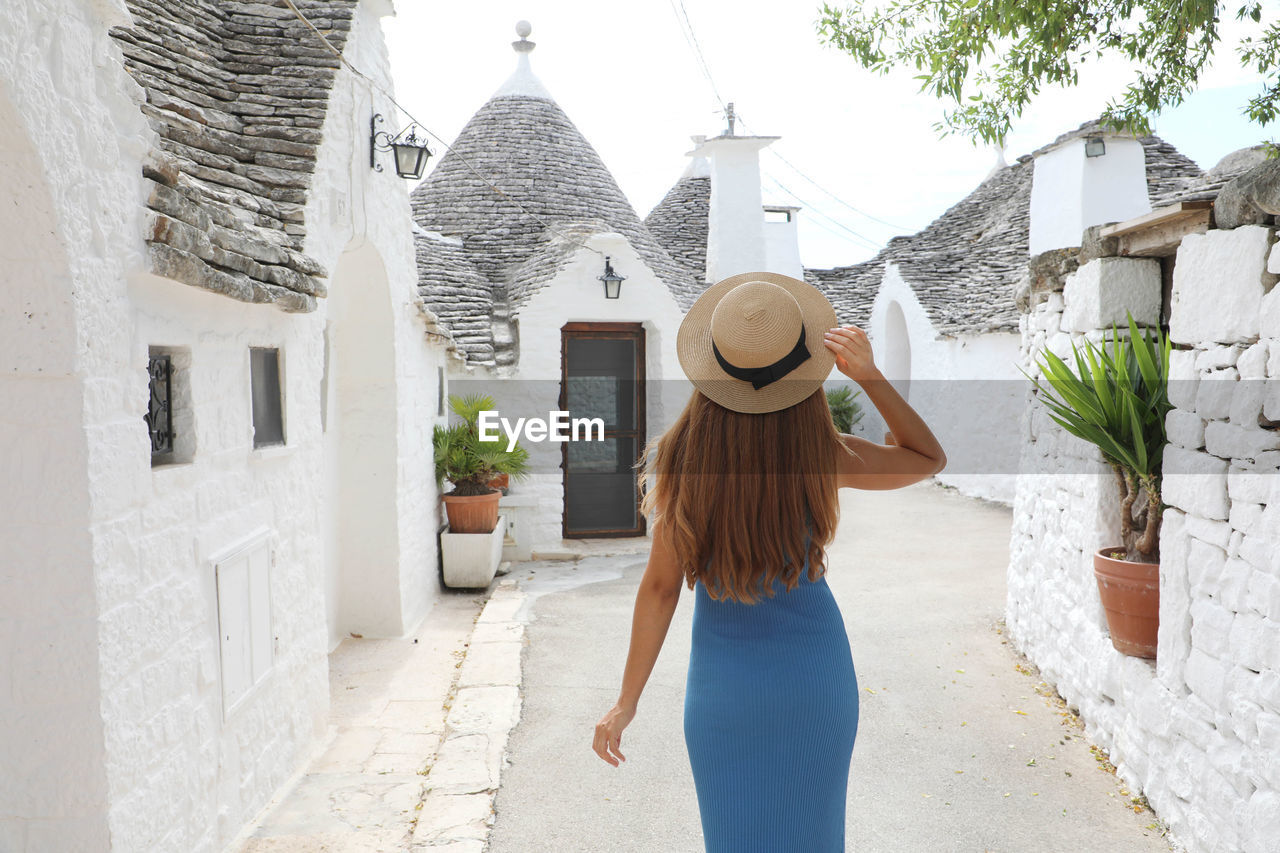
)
(612, 281)
(410, 152)
(1095, 147)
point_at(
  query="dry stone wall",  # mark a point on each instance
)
(1198, 732)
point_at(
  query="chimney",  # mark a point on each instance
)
(1089, 177)
(782, 240)
(736, 239)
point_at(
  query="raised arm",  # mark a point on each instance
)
(656, 600)
(915, 454)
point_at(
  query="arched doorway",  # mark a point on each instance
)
(358, 404)
(897, 361)
(51, 725)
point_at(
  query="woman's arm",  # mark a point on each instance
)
(916, 453)
(656, 600)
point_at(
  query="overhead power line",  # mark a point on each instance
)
(686, 29)
(849, 234)
(828, 192)
(813, 209)
(691, 37)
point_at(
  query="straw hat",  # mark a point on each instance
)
(753, 342)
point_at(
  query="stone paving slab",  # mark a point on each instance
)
(367, 788)
(578, 549)
(457, 810)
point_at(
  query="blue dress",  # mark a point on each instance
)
(770, 716)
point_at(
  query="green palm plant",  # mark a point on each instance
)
(845, 409)
(466, 460)
(1117, 399)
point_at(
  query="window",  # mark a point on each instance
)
(159, 417)
(268, 402)
(245, 642)
(169, 417)
(440, 392)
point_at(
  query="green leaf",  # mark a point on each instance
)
(1137, 433)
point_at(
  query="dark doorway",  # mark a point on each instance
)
(602, 376)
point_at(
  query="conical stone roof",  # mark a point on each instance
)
(681, 220)
(525, 144)
(964, 266)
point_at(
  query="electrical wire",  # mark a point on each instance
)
(686, 29)
(796, 169)
(378, 87)
(819, 223)
(864, 240)
(691, 37)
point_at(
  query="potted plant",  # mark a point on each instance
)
(845, 410)
(471, 464)
(1117, 399)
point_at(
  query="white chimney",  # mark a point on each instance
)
(736, 231)
(1085, 180)
(782, 240)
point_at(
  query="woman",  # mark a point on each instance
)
(743, 488)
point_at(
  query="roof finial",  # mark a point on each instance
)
(523, 28)
(522, 81)
(1000, 161)
(730, 115)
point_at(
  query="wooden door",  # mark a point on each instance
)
(602, 376)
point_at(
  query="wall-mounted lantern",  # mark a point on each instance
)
(612, 281)
(410, 152)
(1095, 147)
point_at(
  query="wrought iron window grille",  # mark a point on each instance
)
(159, 415)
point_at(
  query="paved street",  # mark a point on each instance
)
(956, 751)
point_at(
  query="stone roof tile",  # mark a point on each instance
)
(528, 148)
(680, 223)
(1204, 186)
(236, 93)
(964, 265)
(456, 294)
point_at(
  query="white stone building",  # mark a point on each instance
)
(940, 305)
(515, 275)
(187, 188)
(1197, 731)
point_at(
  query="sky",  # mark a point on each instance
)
(870, 164)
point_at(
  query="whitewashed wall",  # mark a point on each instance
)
(112, 727)
(735, 228)
(782, 247)
(70, 223)
(1199, 732)
(1072, 191)
(532, 387)
(166, 726)
(382, 381)
(966, 388)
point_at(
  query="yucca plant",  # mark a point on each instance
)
(845, 410)
(1117, 399)
(464, 459)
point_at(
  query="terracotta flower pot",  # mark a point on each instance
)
(472, 513)
(502, 481)
(1130, 594)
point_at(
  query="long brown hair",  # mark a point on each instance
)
(740, 493)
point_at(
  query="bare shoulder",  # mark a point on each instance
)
(663, 570)
(881, 466)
